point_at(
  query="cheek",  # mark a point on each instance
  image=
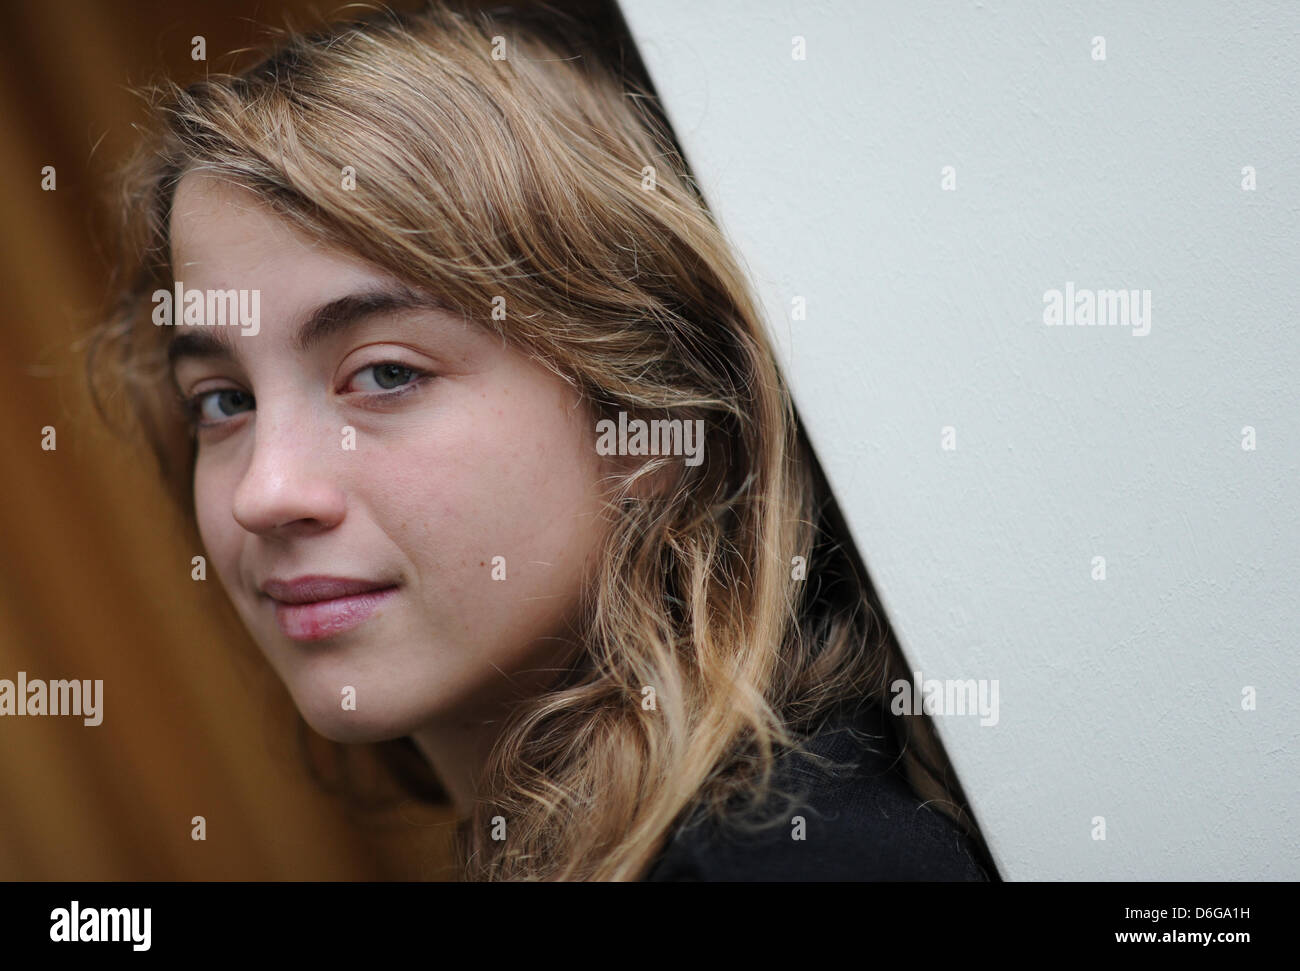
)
(214, 513)
(511, 476)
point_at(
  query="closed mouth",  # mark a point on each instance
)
(314, 608)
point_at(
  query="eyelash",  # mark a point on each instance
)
(193, 405)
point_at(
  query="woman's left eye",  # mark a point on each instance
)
(385, 377)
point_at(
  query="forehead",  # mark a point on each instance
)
(223, 237)
(209, 215)
(220, 230)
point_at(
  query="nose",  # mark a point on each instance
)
(290, 483)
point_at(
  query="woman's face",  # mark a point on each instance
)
(399, 504)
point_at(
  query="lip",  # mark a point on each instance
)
(311, 608)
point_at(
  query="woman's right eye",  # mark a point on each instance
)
(214, 407)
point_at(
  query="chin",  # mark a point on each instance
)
(324, 712)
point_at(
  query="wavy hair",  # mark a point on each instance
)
(501, 154)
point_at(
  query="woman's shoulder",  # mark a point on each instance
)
(863, 823)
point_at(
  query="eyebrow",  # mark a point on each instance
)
(325, 321)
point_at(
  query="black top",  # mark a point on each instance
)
(858, 824)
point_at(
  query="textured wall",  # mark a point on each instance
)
(1119, 697)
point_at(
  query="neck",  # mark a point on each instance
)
(457, 746)
(457, 752)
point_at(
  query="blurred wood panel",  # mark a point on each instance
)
(94, 564)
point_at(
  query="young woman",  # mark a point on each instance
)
(432, 333)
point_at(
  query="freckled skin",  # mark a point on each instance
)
(491, 457)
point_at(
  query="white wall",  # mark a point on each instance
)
(1119, 698)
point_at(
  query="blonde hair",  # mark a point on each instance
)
(546, 178)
